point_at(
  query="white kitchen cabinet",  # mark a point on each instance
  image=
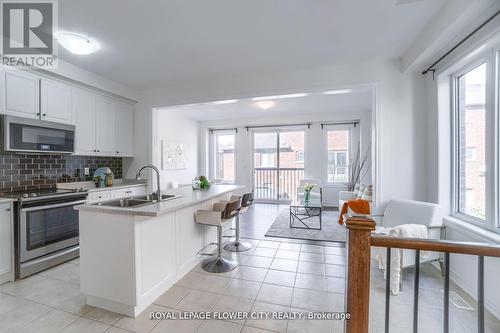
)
(55, 101)
(6, 243)
(105, 126)
(20, 94)
(99, 196)
(117, 193)
(124, 128)
(122, 193)
(84, 109)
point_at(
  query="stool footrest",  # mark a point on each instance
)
(200, 252)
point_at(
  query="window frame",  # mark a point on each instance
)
(490, 58)
(213, 154)
(337, 128)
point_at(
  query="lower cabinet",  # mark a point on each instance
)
(6, 243)
(111, 194)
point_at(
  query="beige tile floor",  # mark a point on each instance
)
(272, 276)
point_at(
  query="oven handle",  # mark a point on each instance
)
(63, 204)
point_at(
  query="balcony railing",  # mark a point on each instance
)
(277, 184)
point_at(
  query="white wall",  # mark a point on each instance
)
(315, 153)
(174, 127)
(400, 114)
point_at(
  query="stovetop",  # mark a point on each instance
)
(35, 194)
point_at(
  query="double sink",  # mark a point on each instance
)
(138, 201)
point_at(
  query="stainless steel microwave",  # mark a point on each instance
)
(36, 136)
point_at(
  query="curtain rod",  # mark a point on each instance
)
(212, 130)
(431, 67)
(353, 122)
(277, 125)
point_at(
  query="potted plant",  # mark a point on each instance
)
(204, 184)
(307, 191)
(97, 181)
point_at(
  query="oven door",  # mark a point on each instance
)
(48, 228)
(31, 135)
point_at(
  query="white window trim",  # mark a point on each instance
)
(332, 128)
(211, 154)
(491, 221)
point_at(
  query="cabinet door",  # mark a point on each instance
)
(99, 196)
(56, 101)
(106, 126)
(84, 105)
(124, 129)
(6, 237)
(21, 91)
(122, 193)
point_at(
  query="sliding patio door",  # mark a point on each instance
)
(278, 164)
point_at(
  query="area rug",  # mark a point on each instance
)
(331, 230)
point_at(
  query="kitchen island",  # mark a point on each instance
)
(129, 256)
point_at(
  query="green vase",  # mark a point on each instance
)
(307, 194)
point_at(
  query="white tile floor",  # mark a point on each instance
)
(297, 277)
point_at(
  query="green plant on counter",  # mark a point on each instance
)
(204, 184)
(97, 181)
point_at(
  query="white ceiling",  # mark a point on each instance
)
(359, 100)
(155, 42)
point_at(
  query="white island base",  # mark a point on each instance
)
(127, 259)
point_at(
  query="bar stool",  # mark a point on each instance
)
(237, 245)
(222, 213)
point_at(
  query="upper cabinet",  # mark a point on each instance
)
(104, 125)
(55, 101)
(84, 110)
(124, 128)
(20, 94)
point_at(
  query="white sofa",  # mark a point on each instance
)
(348, 195)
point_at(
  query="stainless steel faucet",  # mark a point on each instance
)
(151, 166)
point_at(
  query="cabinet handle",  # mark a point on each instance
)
(117, 152)
(38, 113)
(8, 209)
(44, 114)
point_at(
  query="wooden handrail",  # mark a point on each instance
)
(358, 273)
(477, 249)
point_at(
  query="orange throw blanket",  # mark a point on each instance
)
(358, 206)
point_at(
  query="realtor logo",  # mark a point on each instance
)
(28, 33)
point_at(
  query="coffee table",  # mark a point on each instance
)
(304, 213)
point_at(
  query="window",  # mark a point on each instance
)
(338, 155)
(471, 116)
(224, 162)
(299, 157)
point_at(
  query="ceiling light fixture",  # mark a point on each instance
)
(227, 101)
(336, 92)
(278, 97)
(264, 105)
(77, 44)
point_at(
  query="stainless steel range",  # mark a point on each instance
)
(46, 228)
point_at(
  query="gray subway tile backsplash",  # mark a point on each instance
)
(20, 172)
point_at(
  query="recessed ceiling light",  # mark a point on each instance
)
(278, 97)
(77, 44)
(264, 105)
(336, 92)
(227, 101)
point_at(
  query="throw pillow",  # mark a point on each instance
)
(367, 193)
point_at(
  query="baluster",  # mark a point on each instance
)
(415, 291)
(446, 300)
(480, 294)
(387, 288)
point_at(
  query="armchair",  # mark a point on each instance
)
(399, 212)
